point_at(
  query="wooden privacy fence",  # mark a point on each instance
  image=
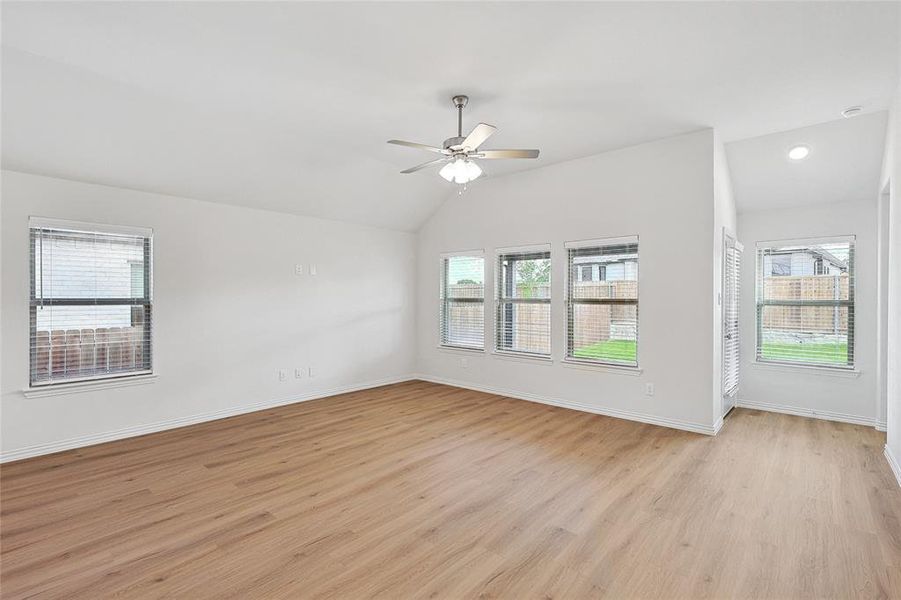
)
(605, 289)
(592, 323)
(810, 319)
(74, 352)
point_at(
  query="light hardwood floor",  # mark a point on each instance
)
(419, 490)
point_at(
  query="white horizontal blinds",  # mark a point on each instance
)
(731, 338)
(524, 302)
(602, 301)
(463, 301)
(90, 304)
(805, 302)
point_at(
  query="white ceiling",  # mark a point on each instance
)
(287, 106)
(843, 165)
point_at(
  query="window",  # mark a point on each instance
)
(463, 301)
(524, 301)
(90, 302)
(805, 305)
(602, 315)
(586, 273)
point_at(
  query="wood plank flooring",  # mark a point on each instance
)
(418, 490)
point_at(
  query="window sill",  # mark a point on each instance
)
(590, 366)
(88, 386)
(460, 349)
(812, 369)
(523, 357)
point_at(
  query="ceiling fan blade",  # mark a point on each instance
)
(506, 154)
(478, 135)
(419, 146)
(431, 163)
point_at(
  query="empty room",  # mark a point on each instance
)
(519, 300)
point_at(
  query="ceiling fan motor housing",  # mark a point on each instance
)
(453, 141)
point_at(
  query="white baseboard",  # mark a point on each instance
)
(127, 432)
(718, 425)
(609, 412)
(808, 412)
(881, 426)
(893, 463)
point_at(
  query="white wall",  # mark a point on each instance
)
(724, 218)
(813, 391)
(228, 311)
(663, 192)
(891, 177)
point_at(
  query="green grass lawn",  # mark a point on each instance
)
(816, 353)
(612, 350)
(624, 351)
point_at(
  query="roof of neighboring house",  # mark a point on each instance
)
(603, 260)
(815, 252)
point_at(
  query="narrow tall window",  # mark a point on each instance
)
(524, 301)
(602, 313)
(463, 301)
(90, 302)
(805, 302)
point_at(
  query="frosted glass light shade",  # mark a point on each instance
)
(461, 170)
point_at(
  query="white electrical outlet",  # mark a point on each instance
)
(649, 389)
(464, 363)
(298, 373)
(312, 269)
(283, 374)
(310, 371)
(298, 269)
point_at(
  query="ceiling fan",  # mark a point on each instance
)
(457, 153)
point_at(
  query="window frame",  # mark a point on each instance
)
(759, 302)
(146, 301)
(444, 300)
(499, 299)
(570, 301)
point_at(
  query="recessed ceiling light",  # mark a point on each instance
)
(852, 111)
(798, 152)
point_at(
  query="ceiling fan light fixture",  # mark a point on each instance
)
(460, 170)
(473, 170)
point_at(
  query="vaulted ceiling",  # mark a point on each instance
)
(843, 165)
(287, 106)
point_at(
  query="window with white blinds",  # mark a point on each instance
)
(805, 302)
(463, 301)
(90, 302)
(602, 301)
(730, 311)
(524, 301)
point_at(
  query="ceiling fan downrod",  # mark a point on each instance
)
(460, 101)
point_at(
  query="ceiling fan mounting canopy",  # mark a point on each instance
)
(457, 152)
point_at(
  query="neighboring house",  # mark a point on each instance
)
(607, 268)
(806, 261)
